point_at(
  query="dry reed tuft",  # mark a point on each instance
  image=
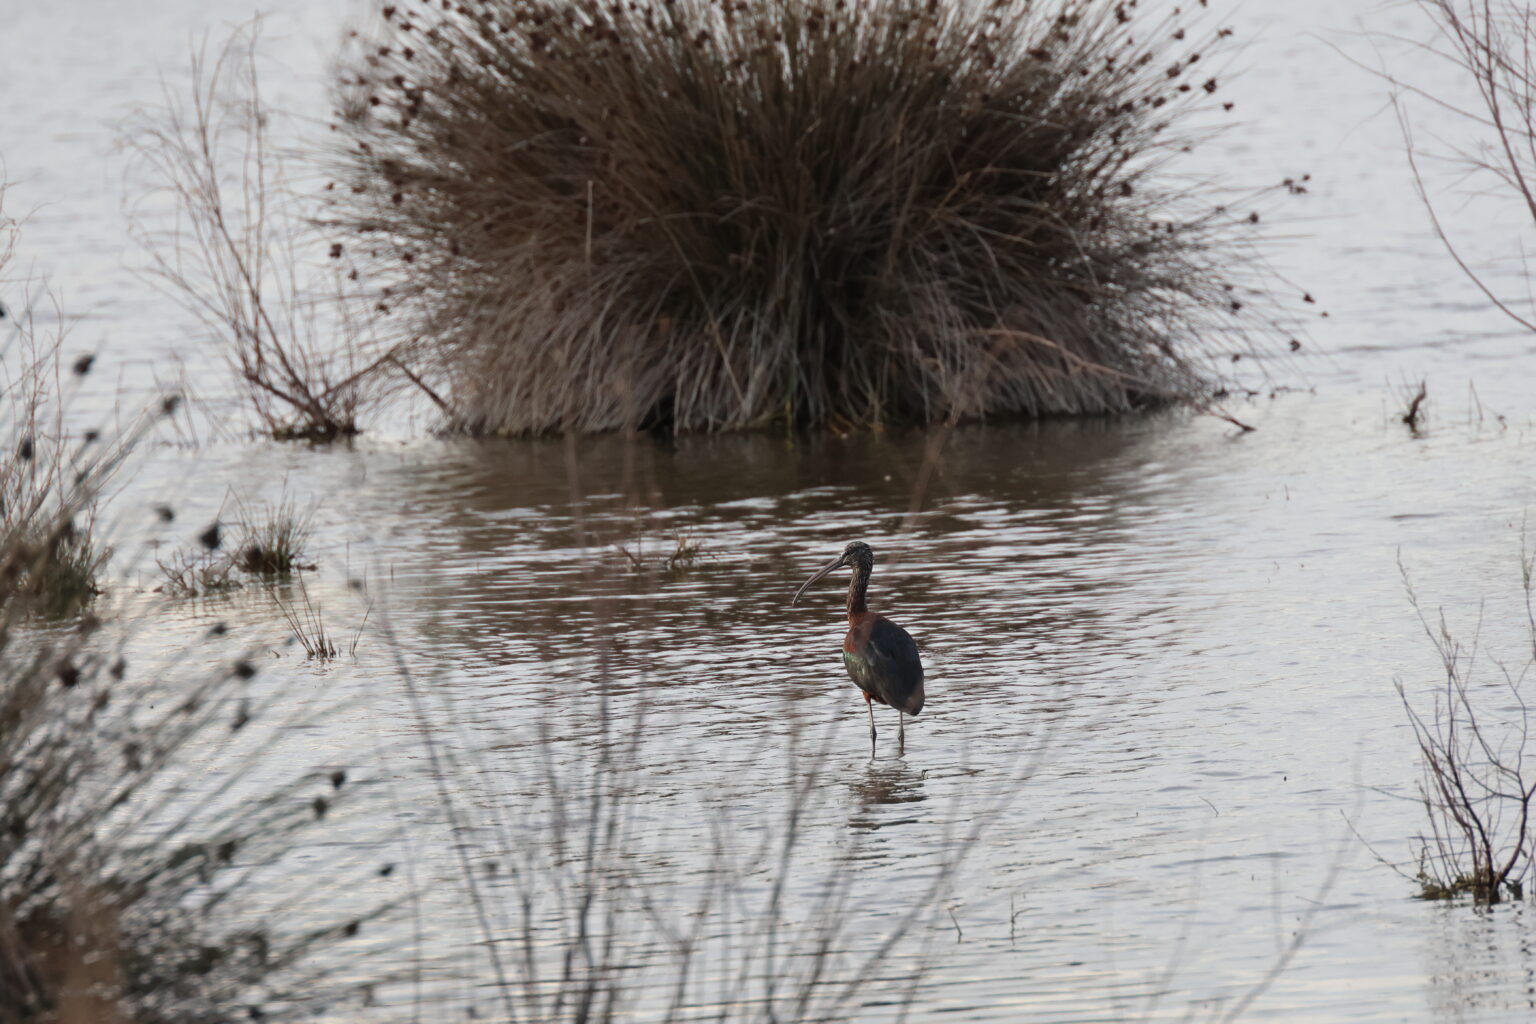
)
(708, 214)
(273, 540)
(306, 624)
(270, 545)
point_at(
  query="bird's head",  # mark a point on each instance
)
(857, 555)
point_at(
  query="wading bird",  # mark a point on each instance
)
(879, 655)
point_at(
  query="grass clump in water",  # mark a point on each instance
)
(709, 215)
(50, 568)
(272, 543)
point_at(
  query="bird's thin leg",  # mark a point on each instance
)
(870, 707)
(901, 732)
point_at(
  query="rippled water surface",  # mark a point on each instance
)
(1160, 652)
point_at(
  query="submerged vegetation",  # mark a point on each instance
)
(705, 215)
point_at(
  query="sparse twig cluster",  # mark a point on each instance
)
(1494, 43)
(306, 624)
(708, 214)
(1478, 793)
(242, 251)
(684, 556)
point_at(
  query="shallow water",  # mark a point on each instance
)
(1161, 652)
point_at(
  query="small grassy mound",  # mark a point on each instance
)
(48, 567)
(710, 214)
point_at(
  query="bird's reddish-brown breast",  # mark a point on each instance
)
(859, 626)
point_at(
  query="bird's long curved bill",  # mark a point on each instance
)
(836, 563)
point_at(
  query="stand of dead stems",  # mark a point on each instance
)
(1476, 791)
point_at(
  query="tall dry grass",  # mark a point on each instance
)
(150, 821)
(123, 898)
(710, 214)
(49, 477)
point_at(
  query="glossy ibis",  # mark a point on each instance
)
(879, 655)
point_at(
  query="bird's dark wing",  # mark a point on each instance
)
(886, 665)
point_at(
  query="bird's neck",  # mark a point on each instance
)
(857, 588)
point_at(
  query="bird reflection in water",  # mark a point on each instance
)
(889, 782)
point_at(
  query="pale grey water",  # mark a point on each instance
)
(1165, 650)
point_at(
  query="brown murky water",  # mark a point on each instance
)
(1160, 653)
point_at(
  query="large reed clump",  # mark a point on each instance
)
(714, 214)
